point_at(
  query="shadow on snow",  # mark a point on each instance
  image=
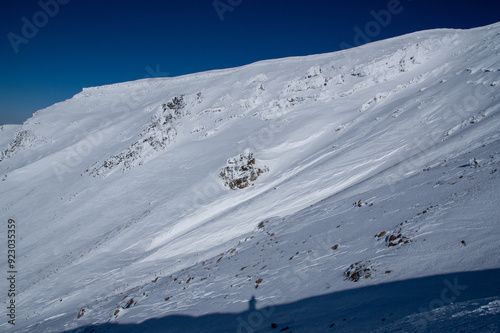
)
(460, 301)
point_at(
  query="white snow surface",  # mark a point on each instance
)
(116, 194)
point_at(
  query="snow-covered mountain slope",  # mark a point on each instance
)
(285, 180)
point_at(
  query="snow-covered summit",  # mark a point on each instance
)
(366, 166)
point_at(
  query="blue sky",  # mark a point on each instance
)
(51, 49)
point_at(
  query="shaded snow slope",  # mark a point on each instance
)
(377, 164)
(442, 303)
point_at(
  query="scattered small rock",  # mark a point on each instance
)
(81, 313)
(394, 240)
(358, 271)
(129, 304)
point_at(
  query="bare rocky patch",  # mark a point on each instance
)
(359, 270)
(241, 171)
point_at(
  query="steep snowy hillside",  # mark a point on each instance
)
(311, 183)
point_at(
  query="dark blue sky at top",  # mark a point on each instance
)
(90, 43)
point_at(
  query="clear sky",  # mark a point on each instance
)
(51, 49)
